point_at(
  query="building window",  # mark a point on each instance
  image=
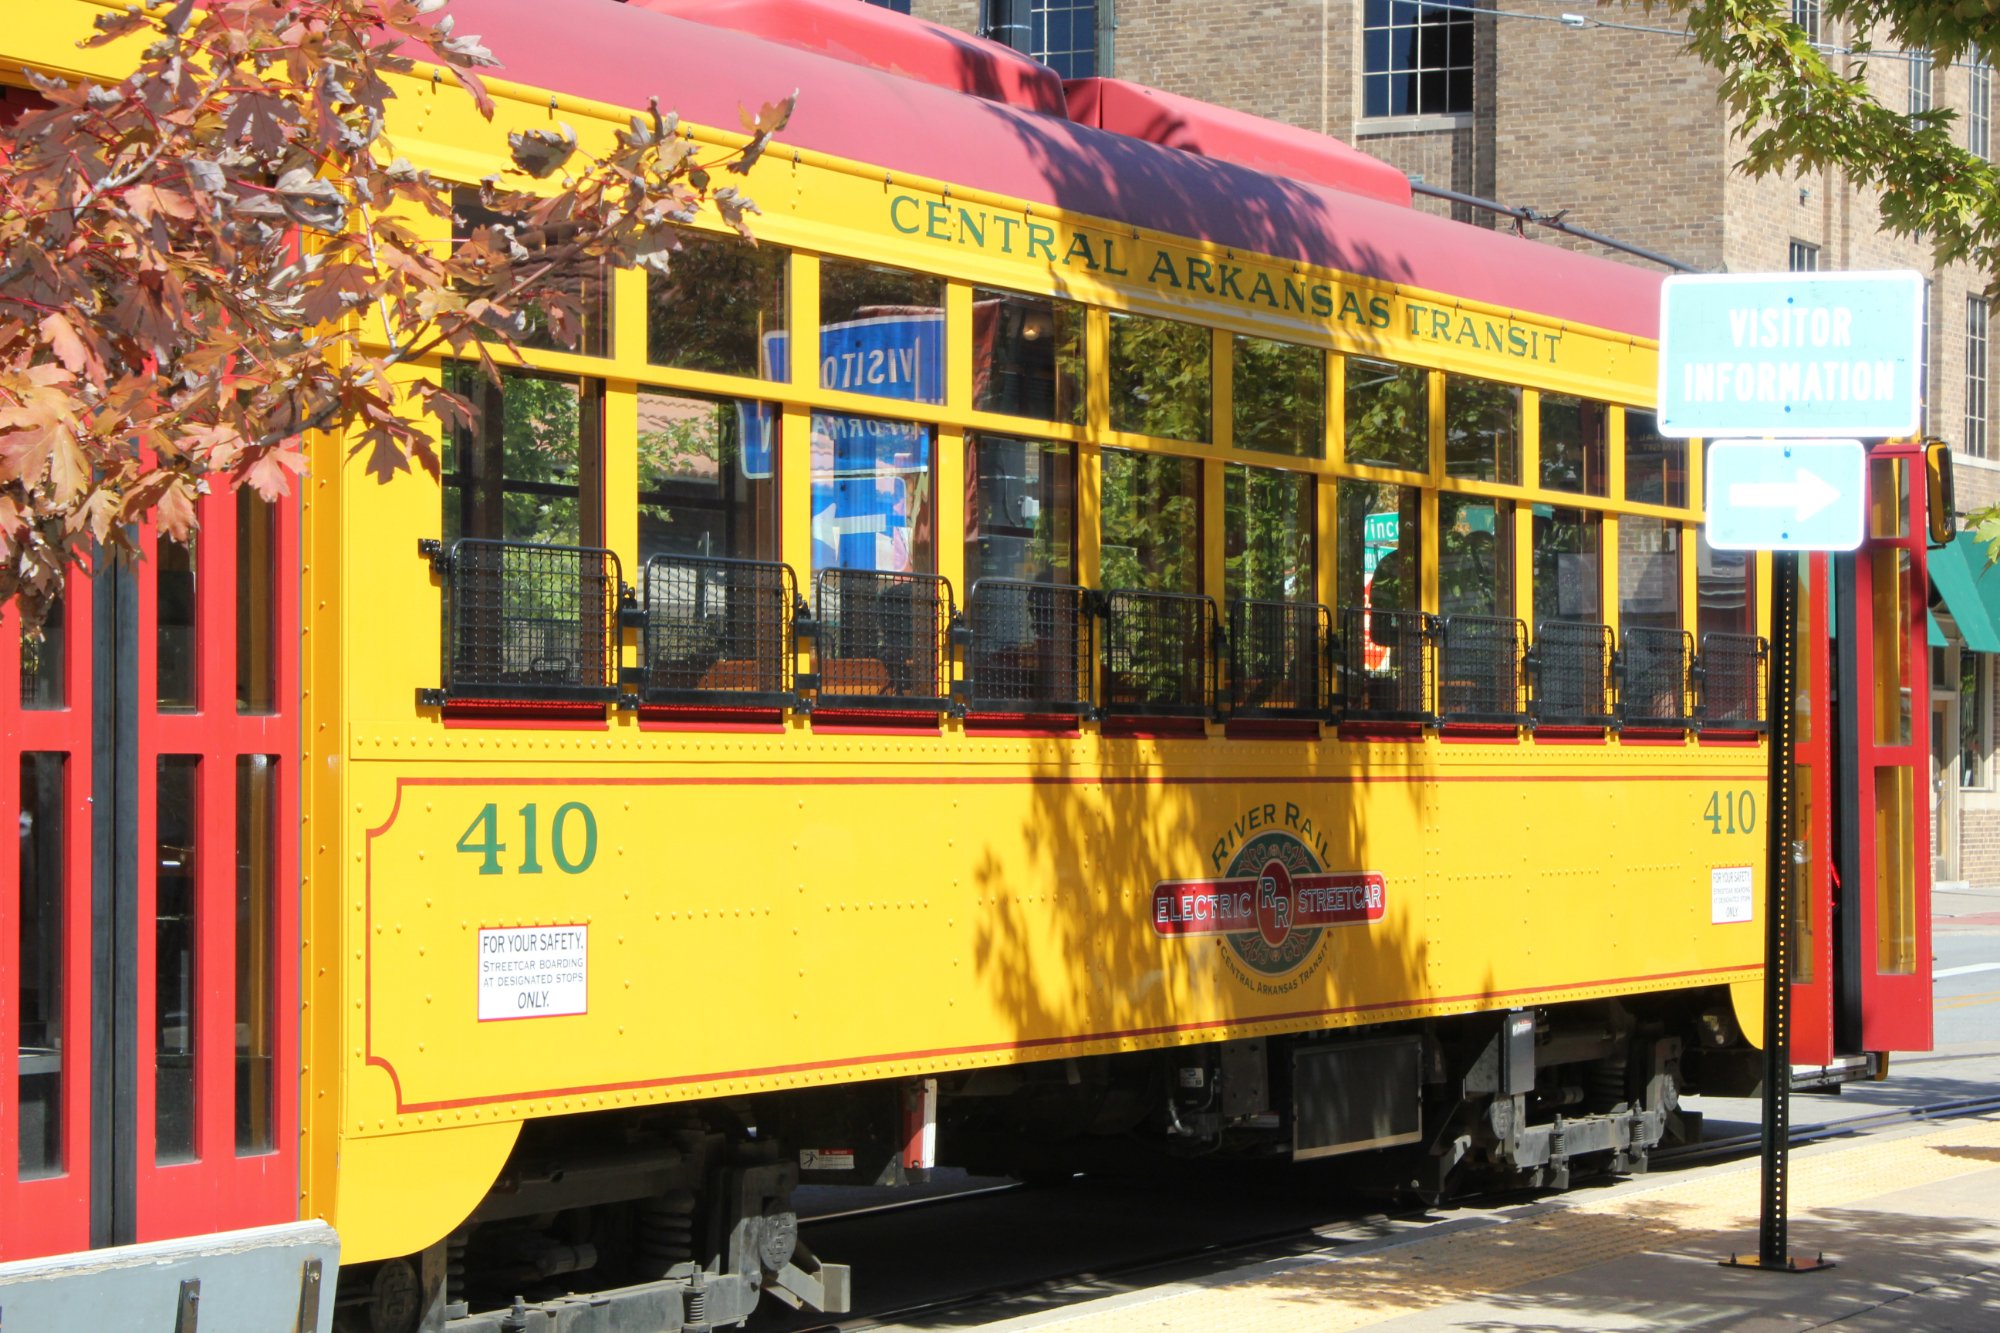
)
(1416, 59)
(903, 6)
(1978, 109)
(1804, 257)
(1976, 315)
(1975, 711)
(1805, 16)
(1062, 34)
(1920, 81)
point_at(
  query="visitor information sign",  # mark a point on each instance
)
(1791, 355)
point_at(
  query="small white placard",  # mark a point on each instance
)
(826, 1159)
(1730, 894)
(533, 971)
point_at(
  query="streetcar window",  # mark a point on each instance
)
(1380, 547)
(1568, 562)
(1888, 498)
(256, 950)
(1160, 378)
(578, 319)
(176, 1018)
(1279, 392)
(1649, 572)
(525, 469)
(39, 1113)
(1267, 534)
(1020, 509)
(1482, 430)
(1027, 356)
(1895, 872)
(1890, 576)
(1575, 445)
(176, 625)
(1655, 466)
(1725, 596)
(43, 661)
(707, 476)
(1151, 522)
(721, 307)
(1475, 556)
(872, 500)
(256, 603)
(881, 331)
(1388, 415)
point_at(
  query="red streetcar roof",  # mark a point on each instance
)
(1208, 130)
(881, 39)
(625, 54)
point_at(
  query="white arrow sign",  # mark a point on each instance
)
(1805, 495)
(1785, 495)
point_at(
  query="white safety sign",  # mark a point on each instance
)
(533, 971)
(1730, 895)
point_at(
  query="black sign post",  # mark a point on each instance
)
(1773, 1251)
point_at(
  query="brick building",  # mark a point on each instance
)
(1600, 116)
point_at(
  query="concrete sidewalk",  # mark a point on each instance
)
(1912, 1220)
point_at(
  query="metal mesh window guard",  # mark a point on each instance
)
(1385, 665)
(1480, 673)
(1029, 648)
(1655, 689)
(1571, 671)
(883, 640)
(1278, 659)
(527, 622)
(719, 632)
(1731, 672)
(1158, 658)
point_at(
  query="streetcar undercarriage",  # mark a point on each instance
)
(684, 1216)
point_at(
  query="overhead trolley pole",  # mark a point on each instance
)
(1789, 359)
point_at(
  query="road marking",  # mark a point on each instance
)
(1965, 971)
(1968, 1001)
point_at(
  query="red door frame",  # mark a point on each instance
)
(220, 1189)
(1895, 1008)
(1812, 1039)
(50, 1215)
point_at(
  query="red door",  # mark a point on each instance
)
(1885, 852)
(216, 769)
(1813, 970)
(45, 932)
(152, 915)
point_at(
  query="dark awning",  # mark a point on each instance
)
(1971, 591)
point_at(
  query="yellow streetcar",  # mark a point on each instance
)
(1105, 631)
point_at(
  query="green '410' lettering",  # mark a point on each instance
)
(572, 848)
(1731, 811)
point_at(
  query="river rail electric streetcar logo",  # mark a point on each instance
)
(1271, 902)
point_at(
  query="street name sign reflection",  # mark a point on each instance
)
(1786, 495)
(1791, 355)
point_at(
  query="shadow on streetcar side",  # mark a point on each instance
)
(1073, 938)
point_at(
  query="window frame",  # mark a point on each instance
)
(1382, 64)
(1978, 325)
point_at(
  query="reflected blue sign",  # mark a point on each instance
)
(890, 356)
(1791, 355)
